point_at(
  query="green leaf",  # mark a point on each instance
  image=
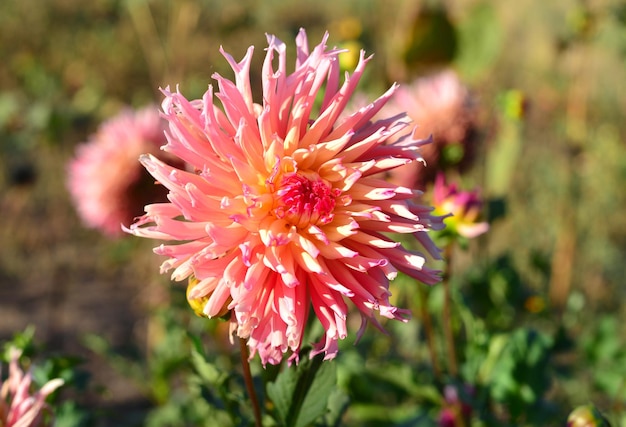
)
(300, 393)
(206, 370)
(316, 396)
(281, 392)
(338, 402)
(69, 414)
(21, 340)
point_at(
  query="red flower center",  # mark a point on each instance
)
(305, 201)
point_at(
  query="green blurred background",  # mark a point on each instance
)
(549, 78)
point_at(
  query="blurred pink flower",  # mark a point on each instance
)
(18, 407)
(455, 412)
(465, 208)
(283, 213)
(441, 106)
(109, 187)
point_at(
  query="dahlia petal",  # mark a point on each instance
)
(389, 225)
(412, 264)
(305, 244)
(398, 208)
(374, 239)
(282, 262)
(242, 73)
(234, 104)
(332, 308)
(180, 230)
(203, 288)
(226, 237)
(217, 300)
(338, 278)
(256, 273)
(328, 150)
(244, 170)
(334, 250)
(362, 191)
(375, 258)
(427, 243)
(251, 146)
(307, 262)
(362, 142)
(385, 164)
(361, 117)
(358, 210)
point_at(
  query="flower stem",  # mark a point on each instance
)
(447, 317)
(247, 376)
(428, 330)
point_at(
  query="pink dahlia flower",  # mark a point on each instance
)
(18, 407)
(283, 213)
(109, 187)
(441, 106)
(464, 208)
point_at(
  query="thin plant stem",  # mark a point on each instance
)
(447, 324)
(428, 329)
(247, 376)
(447, 317)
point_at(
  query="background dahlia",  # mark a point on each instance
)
(109, 187)
(284, 212)
(441, 106)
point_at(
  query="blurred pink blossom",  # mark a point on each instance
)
(108, 185)
(440, 105)
(18, 407)
(465, 208)
(284, 212)
(455, 411)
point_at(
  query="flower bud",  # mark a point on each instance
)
(586, 416)
(198, 304)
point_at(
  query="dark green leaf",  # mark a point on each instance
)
(316, 396)
(281, 392)
(338, 402)
(300, 393)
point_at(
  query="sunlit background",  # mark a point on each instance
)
(547, 80)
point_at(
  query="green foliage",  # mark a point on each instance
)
(520, 374)
(604, 348)
(496, 293)
(301, 393)
(480, 41)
